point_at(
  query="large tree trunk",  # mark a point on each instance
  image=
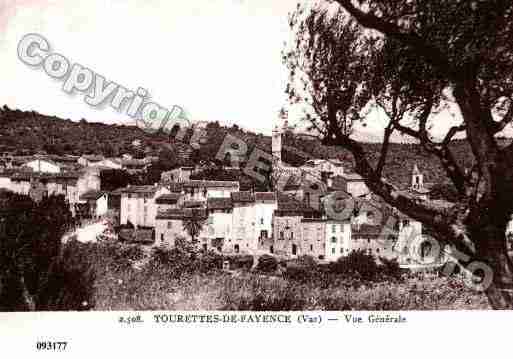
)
(491, 250)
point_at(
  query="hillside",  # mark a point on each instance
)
(27, 132)
(400, 161)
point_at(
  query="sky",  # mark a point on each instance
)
(218, 59)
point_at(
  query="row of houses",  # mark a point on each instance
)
(59, 164)
(234, 221)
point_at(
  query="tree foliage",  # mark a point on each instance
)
(36, 271)
(422, 57)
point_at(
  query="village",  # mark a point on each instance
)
(297, 219)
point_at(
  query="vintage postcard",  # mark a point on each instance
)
(175, 173)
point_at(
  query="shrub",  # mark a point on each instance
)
(184, 258)
(37, 271)
(244, 262)
(358, 264)
(390, 268)
(69, 284)
(267, 264)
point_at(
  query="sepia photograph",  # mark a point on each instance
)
(264, 157)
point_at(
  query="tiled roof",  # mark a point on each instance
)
(92, 195)
(182, 213)
(139, 189)
(366, 231)
(210, 184)
(242, 197)
(265, 196)
(27, 176)
(193, 204)
(169, 198)
(219, 203)
(289, 204)
(94, 158)
(351, 176)
(133, 163)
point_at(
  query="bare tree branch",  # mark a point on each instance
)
(430, 53)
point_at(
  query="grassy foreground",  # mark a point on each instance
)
(165, 283)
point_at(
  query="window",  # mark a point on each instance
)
(333, 240)
(162, 237)
(291, 235)
(332, 250)
(169, 224)
(211, 220)
(333, 228)
(262, 220)
(311, 247)
(342, 228)
(282, 235)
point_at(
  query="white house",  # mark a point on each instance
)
(265, 205)
(198, 190)
(169, 225)
(109, 163)
(138, 204)
(219, 223)
(42, 165)
(244, 222)
(97, 203)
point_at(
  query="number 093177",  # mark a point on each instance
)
(51, 346)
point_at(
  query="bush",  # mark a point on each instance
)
(244, 262)
(358, 264)
(37, 271)
(70, 281)
(267, 264)
(184, 258)
(390, 268)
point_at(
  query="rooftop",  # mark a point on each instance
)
(210, 184)
(242, 197)
(139, 189)
(265, 196)
(168, 198)
(219, 203)
(182, 213)
(94, 195)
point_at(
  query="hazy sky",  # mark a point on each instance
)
(219, 59)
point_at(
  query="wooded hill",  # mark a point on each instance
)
(28, 132)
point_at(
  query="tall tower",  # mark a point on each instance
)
(276, 145)
(417, 179)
